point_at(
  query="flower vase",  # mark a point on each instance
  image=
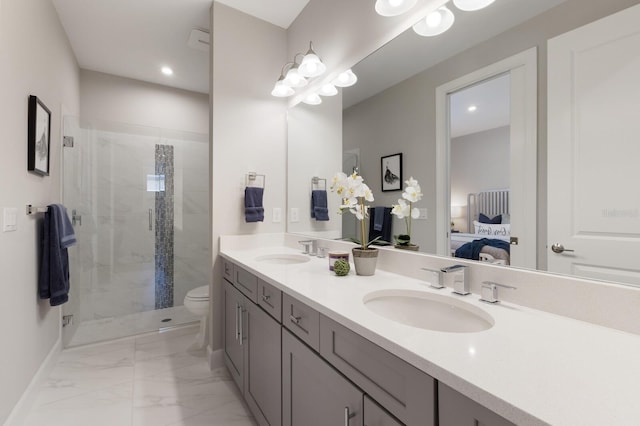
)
(365, 261)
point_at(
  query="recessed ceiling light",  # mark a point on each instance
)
(472, 108)
(167, 71)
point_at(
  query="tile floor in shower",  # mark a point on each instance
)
(152, 379)
(129, 325)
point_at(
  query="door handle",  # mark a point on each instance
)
(347, 416)
(559, 248)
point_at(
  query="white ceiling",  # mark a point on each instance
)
(135, 38)
(491, 98)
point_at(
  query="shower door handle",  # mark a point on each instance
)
(150, 219)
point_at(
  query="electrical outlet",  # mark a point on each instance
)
(10, 222)
(277, 215)
(295, 215)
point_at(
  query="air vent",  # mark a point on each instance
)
(199, 40)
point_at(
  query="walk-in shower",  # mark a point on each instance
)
(139, 200)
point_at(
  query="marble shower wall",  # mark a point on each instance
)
(115, 267)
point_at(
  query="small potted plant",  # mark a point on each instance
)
(354, 193)
(405, 210)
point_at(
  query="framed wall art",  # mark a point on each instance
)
(391, 171)
(39, 137)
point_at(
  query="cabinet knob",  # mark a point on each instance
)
(348, 416)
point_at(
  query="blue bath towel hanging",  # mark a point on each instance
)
(57, 237)
(319, 210)
(253, 209)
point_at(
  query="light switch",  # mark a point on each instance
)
(423, 214)
(10, 222)
(277, 215)
(295, 215)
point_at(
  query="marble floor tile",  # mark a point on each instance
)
(152, 379)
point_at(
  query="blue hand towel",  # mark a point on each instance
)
(319, 209)
(253, 210)
(57, 236)
(378, 219)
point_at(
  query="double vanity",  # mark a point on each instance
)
(307, 347)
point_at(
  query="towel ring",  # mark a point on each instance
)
(251, 177)
(315, 181)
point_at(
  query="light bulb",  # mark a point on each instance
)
(281, 90)
(328, 90)
(394, 7)
(435, 23)
(294, 79)
(312, 99)
(167, 71)
(345, 79)
(471, 5)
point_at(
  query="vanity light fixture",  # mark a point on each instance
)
(312, 99)
(435, 23)
(394, 7)
(311, 65)
(293, 78)
(345, 79)
(328, 90)
(281, 89)
(471, 5)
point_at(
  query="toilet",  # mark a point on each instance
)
(197, 302)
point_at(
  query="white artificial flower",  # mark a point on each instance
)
(411, 182)
(367, 193)
(415, 212)
(401, 210)
(412, 193)
(338, 183)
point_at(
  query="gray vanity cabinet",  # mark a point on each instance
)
(374, 415)
(252, 349)
(313, 393)
(233, 302)
(456, 409)
(406, 392)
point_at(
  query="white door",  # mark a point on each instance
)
(594, 149)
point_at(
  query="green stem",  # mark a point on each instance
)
(363, 237)
(409, 220)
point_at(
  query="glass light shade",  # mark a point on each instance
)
(345, 79)
(328, 90)
(294, 79)
(312, 99)
(311, 65)
(281, 90)
(471, 5)
(435, 23)
(394, 7)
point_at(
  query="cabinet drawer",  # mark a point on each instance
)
(456, 409)
(246, 282)
(227, 270)
(270, 299)
(405, 391)
(374, 415)
(302, 320)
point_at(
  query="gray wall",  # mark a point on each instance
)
(413, 102)
(35, 58)
(249, 130)
(479, 162)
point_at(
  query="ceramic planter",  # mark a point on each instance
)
(365, 261)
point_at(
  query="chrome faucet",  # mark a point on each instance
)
(310, 247)
(456, 277)
(489, 291)
(437, 278)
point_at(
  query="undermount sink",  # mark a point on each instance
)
(283, 259)
(428, 311)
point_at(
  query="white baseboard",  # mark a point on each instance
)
(21, 409)
(216, 358)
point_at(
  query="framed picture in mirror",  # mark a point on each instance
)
(391, 172)
(39, 137)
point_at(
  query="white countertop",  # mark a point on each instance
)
(531, 367)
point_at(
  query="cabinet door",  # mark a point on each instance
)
(263, 366)
(232, 333)
(456, 409)
(313, 393)
(374, 415)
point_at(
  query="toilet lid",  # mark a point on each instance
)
(199, 293)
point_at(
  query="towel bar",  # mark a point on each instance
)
(251, 177)
(315, 181)
(32, 209)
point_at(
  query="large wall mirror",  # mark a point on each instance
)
(394, 109)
